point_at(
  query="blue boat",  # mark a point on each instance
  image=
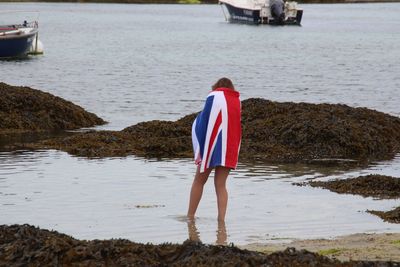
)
(263, 12)
(17, 40)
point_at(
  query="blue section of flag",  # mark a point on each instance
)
(202, 124)
(216, 158)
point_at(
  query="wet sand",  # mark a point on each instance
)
(356, 247)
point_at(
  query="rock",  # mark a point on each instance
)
(24, 110)
(373, 185)
(392, 216)
(25, 245)
(291, 132)
(272, 131)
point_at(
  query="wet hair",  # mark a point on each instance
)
(223, 82)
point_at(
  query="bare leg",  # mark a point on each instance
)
(197, 191)
(221, 174)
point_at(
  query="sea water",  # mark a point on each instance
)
(133, 63)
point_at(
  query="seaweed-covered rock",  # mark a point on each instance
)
(163, 138)
(274, 132)
(148, 139)
(392, 216)
(23, 109)
(302, 132)
(24, 245)
(373, 185)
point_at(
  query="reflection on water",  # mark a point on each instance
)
(290, 170)
(221, 233)
(20, 138)
(194, 234)
(143, 200)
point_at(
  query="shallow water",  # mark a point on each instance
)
(145, 200)
(131, 63)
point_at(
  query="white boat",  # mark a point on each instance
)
(274, 12)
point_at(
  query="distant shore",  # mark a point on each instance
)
(194, 1)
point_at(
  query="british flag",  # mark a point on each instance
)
(217, 132)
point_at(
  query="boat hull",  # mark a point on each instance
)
(250, 16)
(12, 46)
(243, 15)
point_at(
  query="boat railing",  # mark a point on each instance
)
(10, 32)
(259, 3)
(16, 29)
(33, 24)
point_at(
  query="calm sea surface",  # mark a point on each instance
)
(132, 63)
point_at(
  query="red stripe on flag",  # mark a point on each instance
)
(234, 130)
(217, 124)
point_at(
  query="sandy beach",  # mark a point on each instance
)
(356, 247)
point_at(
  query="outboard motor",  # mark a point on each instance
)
(277, 11)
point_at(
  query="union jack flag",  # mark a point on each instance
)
(217, 132)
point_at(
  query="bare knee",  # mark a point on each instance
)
(201, 178)
(221, 175)
(220, 188)
(198, 180)
(219, 183)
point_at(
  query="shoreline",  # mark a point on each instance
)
(192, 2)
(22, 245)
(356, 247)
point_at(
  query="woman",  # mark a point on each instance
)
(216, 136)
